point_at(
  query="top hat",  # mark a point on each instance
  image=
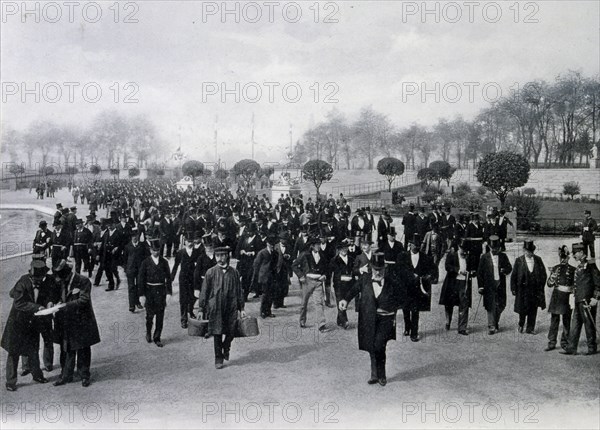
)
(252, 228)
(378, 261)
(495, 241)
(73, 208)
(392, 231)
(415, 240)
(38, 268)
(89, 217)
(587, 212)
(528, 245)
(154, 244)
(60, 265)
(312, 240)
(207, 239)
(342, 244)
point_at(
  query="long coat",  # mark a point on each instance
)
(186, 274)
(75, 325)
(22, 330)
(449, 295)
(418, 290)
(221, 297)
(368, 305)
(528, 287)
(485, 280)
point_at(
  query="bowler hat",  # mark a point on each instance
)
(576, 247)
(43, 223)
(222, 250)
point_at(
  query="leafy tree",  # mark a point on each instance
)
(193, 168)
(442, 171)
(16, 170)
(247, 170)
(114, 172)
(390, 167)
(529, 191)
(427, 175)
(502, 172)
(267, 171)
(462, 188)
(528, 210)
(133, 172)
(71, 170)
(317, 172)
(571, 189)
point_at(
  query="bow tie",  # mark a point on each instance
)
(376, 282)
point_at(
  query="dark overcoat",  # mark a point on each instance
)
(528, 287)
(485, 280)
(449, 295)
(221, 297)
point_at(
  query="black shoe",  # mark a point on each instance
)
(85, 382)
(226, 354)
(11, 387)
(184, 324)
(520, 329)
(139, 306)
(158, 343)
(148, 338)
(193, 315)
(592, 352)
(529, 332)
(132, 310)
(372, 381)
(382, 381)
(60, 382)
(549, 348)
(49, 368)
(263, 316)
(463, 332)
(271, 316)
(491, 331)
(447, 327)
(110, 289)
(25, 372)
(406, 333)
(567, 352)
(346, 325)
(219, 364)
(118, 283)
(323, 329)
(283, 307)
(302, 325)
(40, 379)
(96, 285)
(415, 338)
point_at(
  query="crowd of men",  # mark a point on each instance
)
(158, 234)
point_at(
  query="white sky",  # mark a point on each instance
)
(371, 54)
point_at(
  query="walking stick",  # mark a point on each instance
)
(476, 310)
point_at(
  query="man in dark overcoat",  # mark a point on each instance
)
(527, 282)
(456, 289)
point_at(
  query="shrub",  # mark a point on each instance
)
(528, 210)
(529, 191)
(571, 189)
(431, 195)
(482, 191)
(462, 188)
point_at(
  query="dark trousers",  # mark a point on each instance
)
(110, 267)
(222, 345)
(168, 243)
(47, 355)
(12, 364)
(186, 308)
(340, 293)
(590, 247)
(93, 253)
(132, 290)
(411, 322)
(82, 259)
(266, 300)
(383, 327)
(553, 332)
(151, 312)
(246, 275)
(328, 289)
(83, 358)
(463, 316)
(586, 318)
(530, 316)
(281, 291)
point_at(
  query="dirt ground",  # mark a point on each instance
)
(300, 378)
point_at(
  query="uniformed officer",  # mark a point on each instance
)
(561, 280)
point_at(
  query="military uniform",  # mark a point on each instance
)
(561, 280)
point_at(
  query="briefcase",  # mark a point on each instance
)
(197, 328)
(246, 327)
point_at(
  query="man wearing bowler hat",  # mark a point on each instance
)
(155, 289)
(492, 271)
(586, 293)
(527, 282)
(456, 290)
(32, 292)
(380, 299)
(221, 302)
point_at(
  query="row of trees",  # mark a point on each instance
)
(545, 122)
(117, 140)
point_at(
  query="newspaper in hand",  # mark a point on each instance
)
(49, 311)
